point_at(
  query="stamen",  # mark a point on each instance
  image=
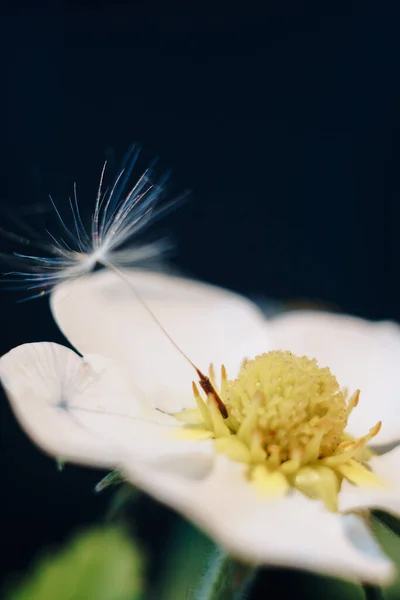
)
(285, 417)
(218, 424)
(319, 483)
(312, 450)
(257, 451)
(293, 464)
(267, 483)
(342, 457)
(359, 475)
(353, 402)
(224, 380)
(233, 448)
(211, 374)
(274, 457)
(201, 405)
(250, 421)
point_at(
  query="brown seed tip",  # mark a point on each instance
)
(208, 389)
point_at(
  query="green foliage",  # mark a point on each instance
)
(188, 546)
(101, 564)
(390, 542)
(195, 569)
(112, 479)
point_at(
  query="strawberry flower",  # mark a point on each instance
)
(277, 457)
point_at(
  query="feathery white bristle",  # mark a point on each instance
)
(121, 212)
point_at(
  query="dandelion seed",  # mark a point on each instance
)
(118, 216)
(121, 213)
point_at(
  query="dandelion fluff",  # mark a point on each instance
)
(121, 213)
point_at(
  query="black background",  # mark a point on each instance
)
(282, 119)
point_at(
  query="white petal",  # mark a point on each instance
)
(387, 467)
(361, 354)
(52, 391)
(81, 410)
(101, 314)
(293, 532)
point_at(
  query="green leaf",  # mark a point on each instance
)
(112, 479)
(101, 564)
(187, 546)
(207, 573)
(390, 521)
(372, 592)
(390, 543)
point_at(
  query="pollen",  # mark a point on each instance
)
(285, 417)
(289, 401)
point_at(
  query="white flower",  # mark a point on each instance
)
(115, 408)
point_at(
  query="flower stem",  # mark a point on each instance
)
(224, 579)
(246, 577)
(372, 593)
(393, 523)
(121, 500)
(217, 580)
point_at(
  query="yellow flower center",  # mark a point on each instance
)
(290, 401)
(285, 417)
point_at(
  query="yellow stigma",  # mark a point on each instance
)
(285, 417)
(289, 401)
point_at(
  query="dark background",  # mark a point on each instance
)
(282, 119)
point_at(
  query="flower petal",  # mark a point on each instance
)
(101, 314)
(385, 497)
(292, 531)
(82, 410)
(48, 386)
(361, 354)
